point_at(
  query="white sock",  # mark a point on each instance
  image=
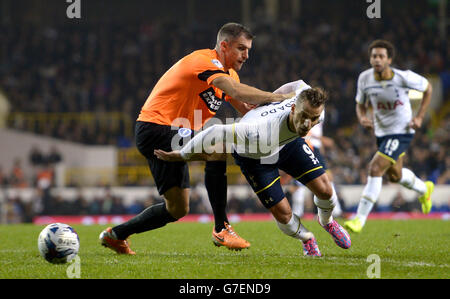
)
(364, 208)
(370, 195)
(337, 211)
(298, 201)
(295, 229)
(325, 209)
(412, 182)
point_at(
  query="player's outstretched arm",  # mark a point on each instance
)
(246, 93)
(175, 156)
(208, 145)
(286, 89)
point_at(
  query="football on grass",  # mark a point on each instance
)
(58, 243)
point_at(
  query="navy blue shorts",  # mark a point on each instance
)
(320, 157)
(295, 158)
(393, 146)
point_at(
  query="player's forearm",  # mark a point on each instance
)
(194, 149)
(204, 157)
(425, 102)
(248, 94)
(203, 144)
(252, 95)
(361, 112)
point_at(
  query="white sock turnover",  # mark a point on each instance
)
(325, 209)
(370, 195)
(411, 181)
(295, 229)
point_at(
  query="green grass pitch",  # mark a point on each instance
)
(406, 248)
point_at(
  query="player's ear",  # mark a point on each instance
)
(293, 107)
(223, 45)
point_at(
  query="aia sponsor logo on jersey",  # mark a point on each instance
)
(388, 105)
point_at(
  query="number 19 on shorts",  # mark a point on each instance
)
(391, 146)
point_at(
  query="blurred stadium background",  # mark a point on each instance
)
(71, 90)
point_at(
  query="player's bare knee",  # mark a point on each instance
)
(394, 174)
(283, 218)
(375, 170)
(179, 211)
(394, 178)
(184, 210)
(325, 191)
(282, 211)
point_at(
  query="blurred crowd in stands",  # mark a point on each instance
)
(42, 172)
(112, 67)
(44, 202)
(18, 210)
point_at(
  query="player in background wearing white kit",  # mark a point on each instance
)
(315, 140)
(268, 139)
(386, 90)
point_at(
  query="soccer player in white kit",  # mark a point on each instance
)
(265, 140)
(386, 89)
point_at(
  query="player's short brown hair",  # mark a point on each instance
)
(381, 43)
(231, 31)
(316, 96)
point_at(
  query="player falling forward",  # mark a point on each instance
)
(386, 89)
(266, 140)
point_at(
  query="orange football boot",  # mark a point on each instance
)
(229, 238)
(120, 246)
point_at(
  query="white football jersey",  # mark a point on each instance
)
(389, 99)
(265, 129)
(260, 134)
